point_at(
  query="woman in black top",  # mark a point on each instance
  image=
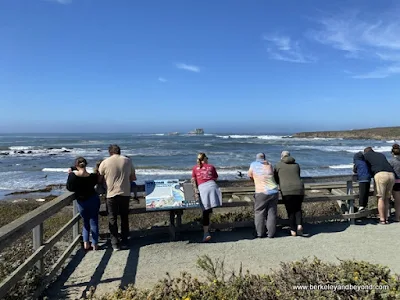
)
(82, 183)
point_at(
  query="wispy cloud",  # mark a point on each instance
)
(61, 1)
(190, 68)
(283, 48)
(376, 41)
(380, 72)
(162, 79)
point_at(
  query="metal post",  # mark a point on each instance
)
(37, 234)
(351, 201)
(172, 232)
(75, 228)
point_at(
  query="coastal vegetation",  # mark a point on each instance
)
(284, 283)
(380, 133)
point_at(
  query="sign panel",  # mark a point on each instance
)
(169, 194)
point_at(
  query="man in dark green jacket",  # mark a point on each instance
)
(287, 175)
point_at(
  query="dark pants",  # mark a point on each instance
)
(206, 216)
(293, 208)
(265, 210)
(89, 211)
(363, 188)
(118, 205)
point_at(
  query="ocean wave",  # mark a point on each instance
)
(350, 149)
(274, 137)
(19, 151)
(62, 170)
(346, 166)
(141, 171)
(21, 148)
(391, 141)
(240, 136)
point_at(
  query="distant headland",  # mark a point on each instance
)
(379, 133)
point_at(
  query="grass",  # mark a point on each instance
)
(219, 283)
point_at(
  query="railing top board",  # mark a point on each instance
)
(306, 179)
(25, 223)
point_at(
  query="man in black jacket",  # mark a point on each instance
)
(383, 174)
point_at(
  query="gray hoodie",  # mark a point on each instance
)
(287, 175)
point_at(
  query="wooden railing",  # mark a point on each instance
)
(234, 195)
(33, 221)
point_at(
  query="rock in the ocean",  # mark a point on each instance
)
(4, 153)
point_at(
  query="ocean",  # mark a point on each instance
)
(32, 161)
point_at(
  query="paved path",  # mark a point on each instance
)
(149, 259)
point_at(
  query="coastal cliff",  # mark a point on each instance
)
(381, 133)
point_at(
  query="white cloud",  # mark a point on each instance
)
(380, 72)
(190, 68)
(283, 48)
(375, 40)
(162, 79)
(61, 1)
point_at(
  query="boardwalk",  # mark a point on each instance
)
(150, 258)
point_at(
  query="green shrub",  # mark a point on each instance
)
(220, 284)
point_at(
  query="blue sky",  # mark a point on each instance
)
(238, 66)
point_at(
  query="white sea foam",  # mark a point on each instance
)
(21, 148)
(188, 172)
(243, 136)
(347, 166)
(273, 137)
(21, 180)
(391, 141)
(350, 149)
(34, 151)
(63, 170)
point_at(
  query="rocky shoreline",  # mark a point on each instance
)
(47, 193)
(380, 133)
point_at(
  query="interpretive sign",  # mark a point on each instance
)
(169, 194)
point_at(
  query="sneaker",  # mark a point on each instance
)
(207, 237)
(300, 232)
(125, 244)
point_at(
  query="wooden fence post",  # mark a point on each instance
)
(75, 228)
(351, 201)
(37, 233)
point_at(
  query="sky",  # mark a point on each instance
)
(176, 65)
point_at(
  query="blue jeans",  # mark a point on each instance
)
(89, 211)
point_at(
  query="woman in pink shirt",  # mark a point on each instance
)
(203, 180)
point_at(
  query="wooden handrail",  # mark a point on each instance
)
(34, 219)
(27, 222)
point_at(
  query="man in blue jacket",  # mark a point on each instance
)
(360, 168)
